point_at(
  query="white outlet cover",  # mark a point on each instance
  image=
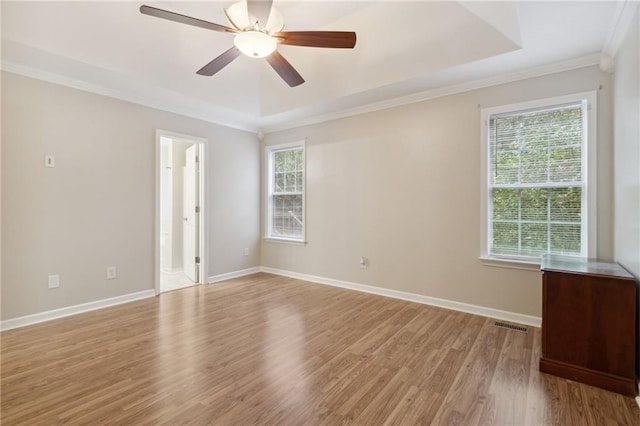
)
(53, 281)
(112, 272)
(49, 161)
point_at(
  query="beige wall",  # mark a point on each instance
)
(1, 108)
(399, 186)
(402, 187)
(96, 207)
(627, 151)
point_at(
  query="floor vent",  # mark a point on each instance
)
(511, 327)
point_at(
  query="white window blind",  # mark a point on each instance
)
(536, 182)
(286, 197)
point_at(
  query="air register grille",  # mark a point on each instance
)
(511, 327)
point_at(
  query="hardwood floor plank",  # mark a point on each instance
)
(511, 378)
(269, 350)
(384, 402)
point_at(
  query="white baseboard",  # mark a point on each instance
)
(234, 274)
(73, 310)
(412, 297)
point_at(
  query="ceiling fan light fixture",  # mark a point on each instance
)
(275, 23)
(238, 16)
(255, 44)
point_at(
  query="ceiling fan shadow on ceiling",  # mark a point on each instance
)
(257, 26)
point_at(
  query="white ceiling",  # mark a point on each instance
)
(403, 48)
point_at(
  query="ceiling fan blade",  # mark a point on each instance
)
(183, 19)
(285, 69)
(260, 10)
(220, 62)
(334, 39)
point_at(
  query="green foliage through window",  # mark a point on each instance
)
(287, 176)
(536, 182)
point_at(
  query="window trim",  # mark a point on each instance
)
(589, 164)
(269, 150)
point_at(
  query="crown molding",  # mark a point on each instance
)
(313, 119)
(620, 24)
(571, 64)
(83, 85)
(607, 63)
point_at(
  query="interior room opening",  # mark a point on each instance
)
(180, 213)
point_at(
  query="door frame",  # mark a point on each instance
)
(202, 200)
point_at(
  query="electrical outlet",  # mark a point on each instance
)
(246, 251)
(53, 281)
(112, 272)
(364, 262)
(49, 161)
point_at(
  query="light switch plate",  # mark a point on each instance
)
(49, 161)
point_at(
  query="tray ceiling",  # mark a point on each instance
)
(402, 47)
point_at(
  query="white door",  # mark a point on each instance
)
(191, 221)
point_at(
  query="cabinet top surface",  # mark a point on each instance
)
(583, 265)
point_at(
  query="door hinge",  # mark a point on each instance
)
(197, 209)
(197, 259)
(197, 158)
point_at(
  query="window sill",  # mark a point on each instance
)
(510, 263)
(285, 241)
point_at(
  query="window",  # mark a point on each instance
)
(539, 174)
(285, 192)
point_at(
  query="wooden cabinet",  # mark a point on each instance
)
(589, 323)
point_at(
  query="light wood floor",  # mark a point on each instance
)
(272, 350)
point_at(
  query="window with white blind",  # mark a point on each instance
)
(539, 174)
(285, 192)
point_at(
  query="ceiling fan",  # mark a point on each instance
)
(258, 29)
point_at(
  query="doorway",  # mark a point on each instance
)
(180, 248)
